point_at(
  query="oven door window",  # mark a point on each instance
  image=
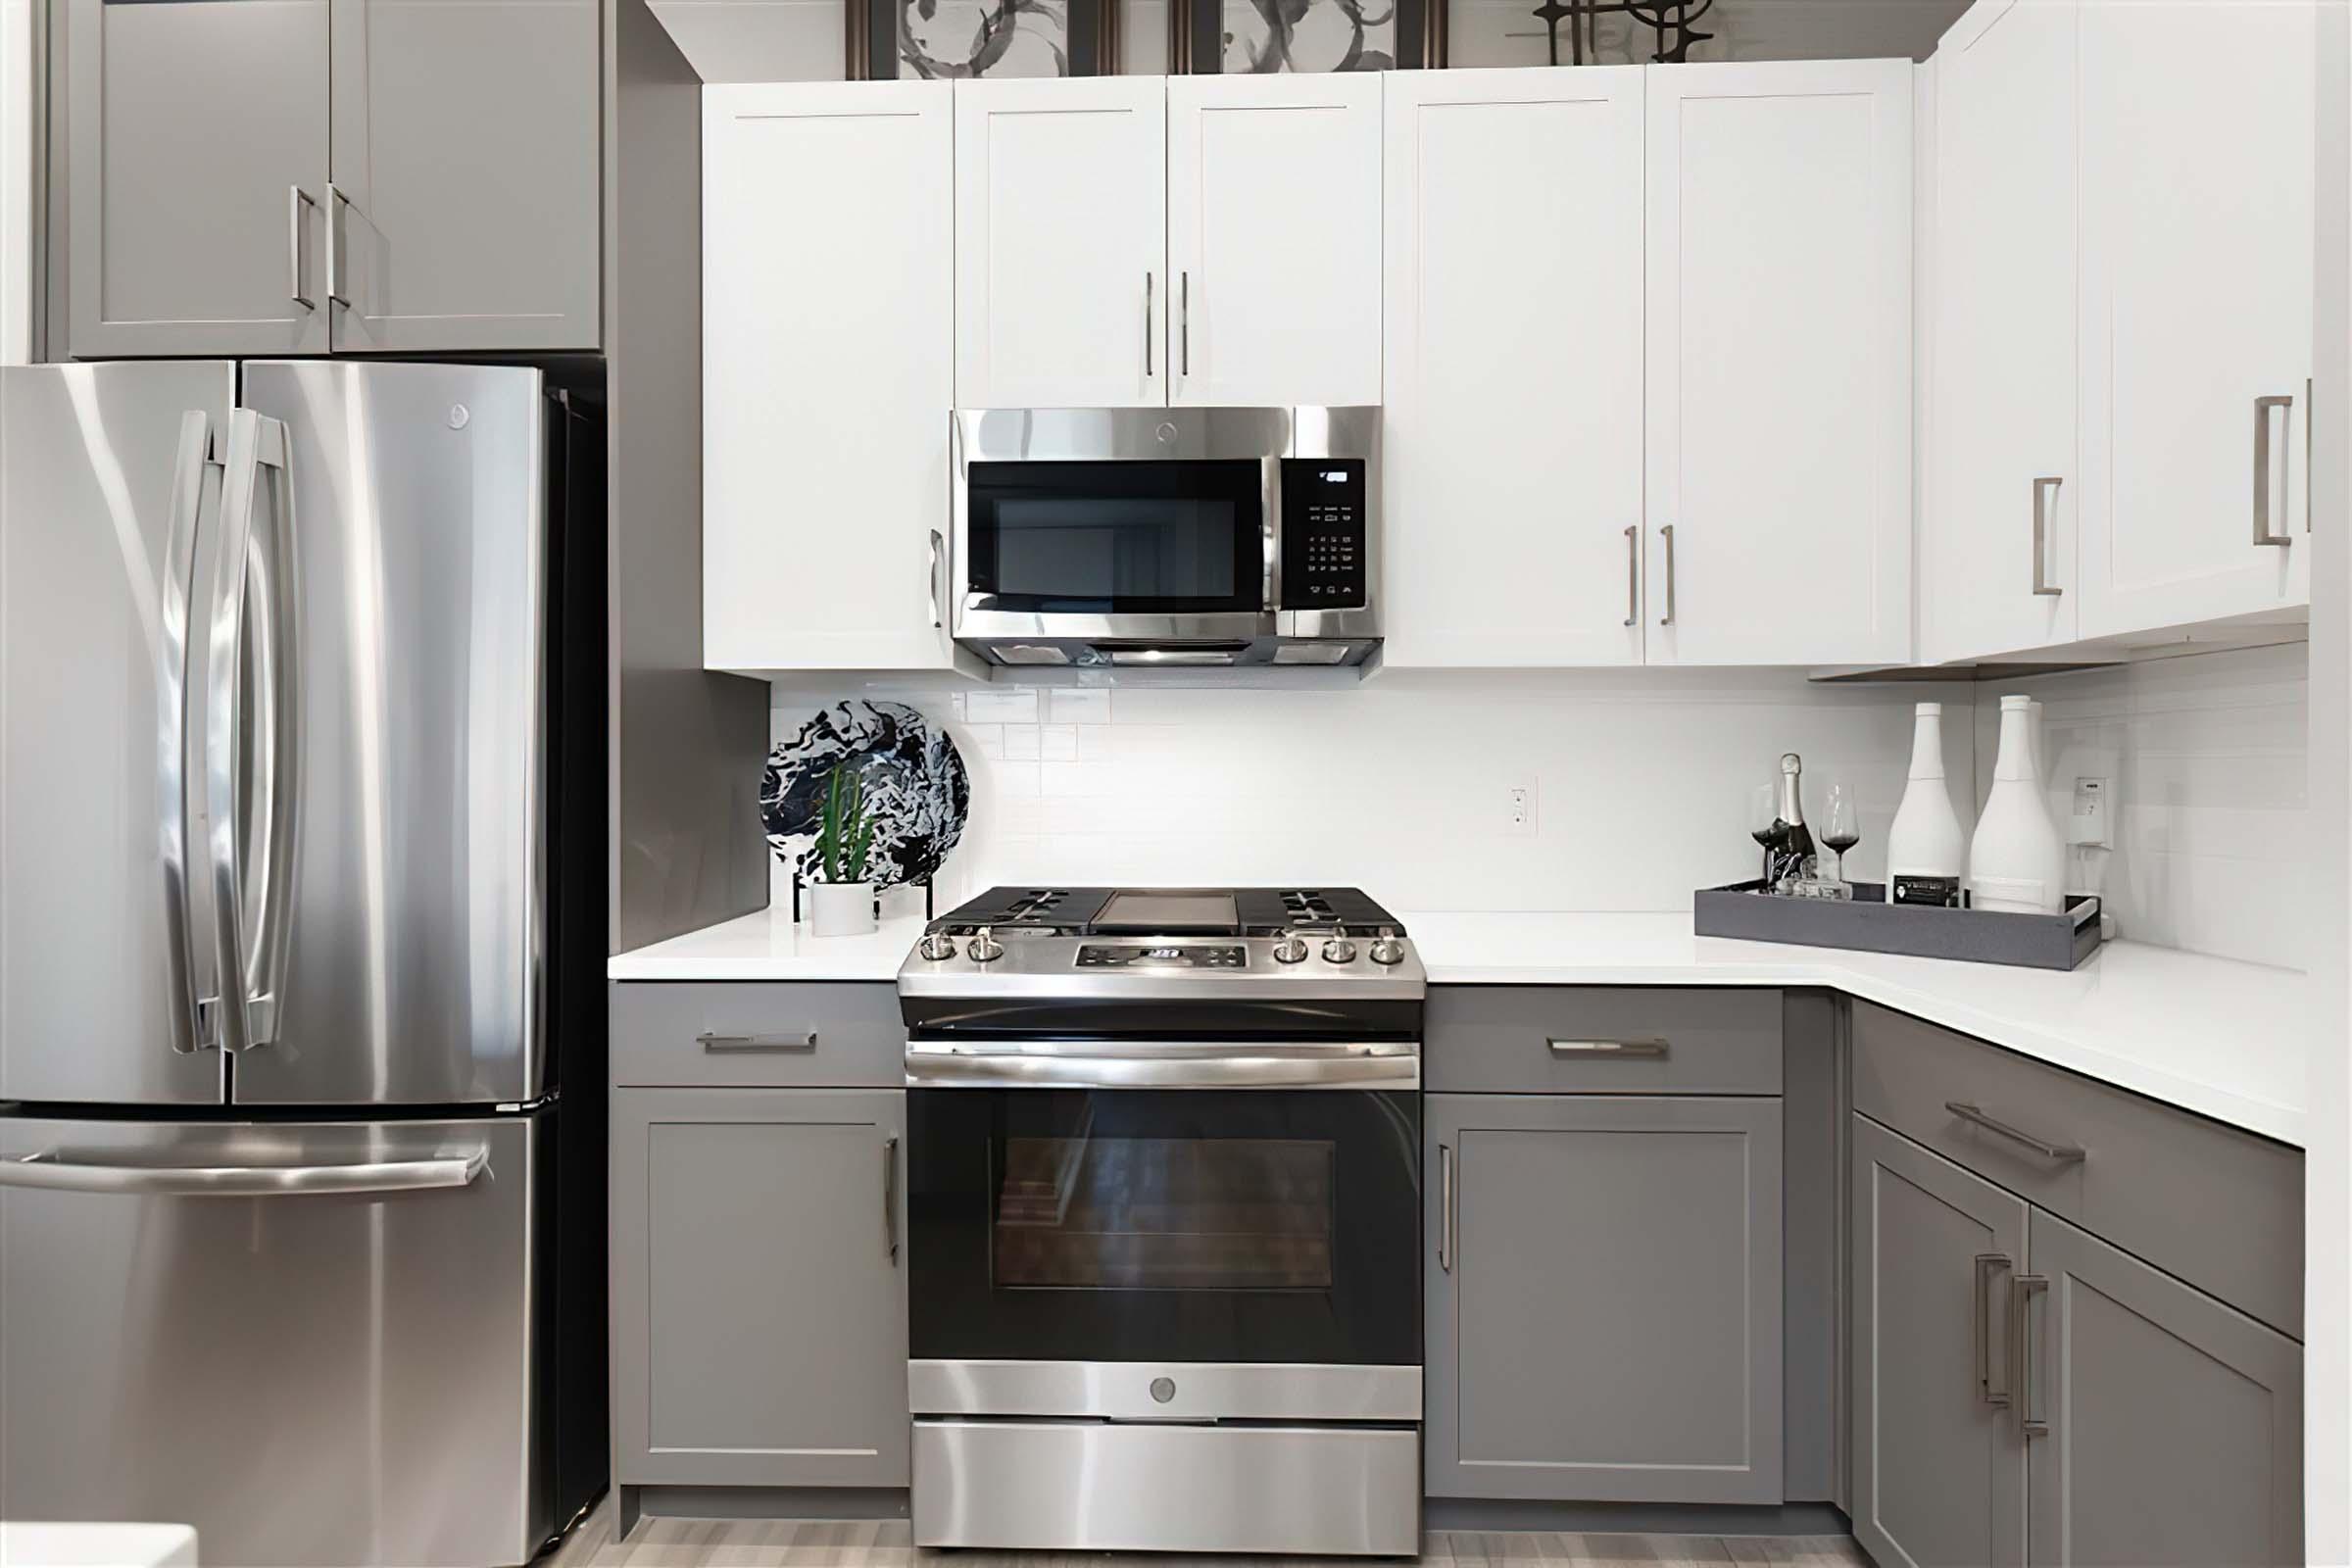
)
(1187, 1225)
(1118, 538)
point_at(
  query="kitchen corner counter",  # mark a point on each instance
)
(2225, 1039)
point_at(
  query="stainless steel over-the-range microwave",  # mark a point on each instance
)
(1109, 537)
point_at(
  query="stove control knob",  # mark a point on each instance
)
(937, 946)
(1291, 949)
(1338, 949)
(984, 947)
(1387, 949)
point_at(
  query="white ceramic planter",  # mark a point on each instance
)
(841, 908)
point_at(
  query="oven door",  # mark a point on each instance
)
(1150, 525)
(1165, 1254)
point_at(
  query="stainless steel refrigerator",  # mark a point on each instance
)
(301, 939)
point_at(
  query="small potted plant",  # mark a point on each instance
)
(842, 902)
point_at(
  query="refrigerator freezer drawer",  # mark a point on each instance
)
(314, 1341)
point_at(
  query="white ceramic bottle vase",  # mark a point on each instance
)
(2017, 860)
(1924, 846)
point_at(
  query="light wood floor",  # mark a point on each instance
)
(884, 1543)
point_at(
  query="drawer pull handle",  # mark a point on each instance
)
(2063, 1154)
(1607, 1048)
(805, 1040)
(1980, 1317)
(1446, 1208)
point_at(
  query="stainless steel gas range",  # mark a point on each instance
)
(1164, 1209)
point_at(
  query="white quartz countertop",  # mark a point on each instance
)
(2225, 1039)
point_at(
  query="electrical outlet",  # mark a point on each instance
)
(2090, 822)
(1519, 812)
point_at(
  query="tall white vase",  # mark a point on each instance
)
(2017, 860)
(1924, 846)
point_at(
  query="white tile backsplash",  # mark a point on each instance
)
(1400, 785)
(2205, 755)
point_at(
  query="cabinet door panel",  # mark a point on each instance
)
(467, 146)
(1274, 238)
(759, 1309)
(1061, 243)
(1939, 1469)
(1511, 440)
(828, 294)
(192, 123)
(1780, 362)
(1604, 1323)
(2175, 1424)
(2001, 398)
(2198, 192)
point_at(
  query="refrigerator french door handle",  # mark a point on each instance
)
(188, 1022)
(53, 1172)
(249, 983)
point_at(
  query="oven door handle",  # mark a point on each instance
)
(1174, 1064)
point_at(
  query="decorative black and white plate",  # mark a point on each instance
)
(916, 790)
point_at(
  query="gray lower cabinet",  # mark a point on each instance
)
(2175, 1424)
(467, 175)
(1603, 1285)
(1938, 1463)
(195, 164)
(759, 1302)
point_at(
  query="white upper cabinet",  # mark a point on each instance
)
(1998, 557)
(828, 299)
(2199, 175)
(1780, 390)
(1061, 243)
(1274, 238)
(1511, 431)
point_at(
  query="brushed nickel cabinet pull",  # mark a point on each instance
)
(1633, 574)
(296, 200)
(1667, 533)
(890, 1197)
(2022, 1291)
(2261, 469)
(719, 1045)
(1147, 324)
(1607, 1048)
(1446, 1207)
(1979, 1318)
(1183, 289)
(1973, 1115)
(2043, 489)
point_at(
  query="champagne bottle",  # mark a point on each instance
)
(1924, 846)
(1793, 854)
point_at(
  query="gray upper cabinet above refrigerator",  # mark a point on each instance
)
(195, 158)
(306, 177)
(466, 175)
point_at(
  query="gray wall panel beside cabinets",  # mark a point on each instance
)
(190, 124)
(466, 151)
(1938, 1464)
(759, 1302)
(1603, 1298)
(2175, 1425)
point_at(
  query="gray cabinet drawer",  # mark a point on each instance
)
(789, 1034)
(2220, 1208)
(1536, 1039)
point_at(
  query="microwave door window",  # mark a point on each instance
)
(1113, 538)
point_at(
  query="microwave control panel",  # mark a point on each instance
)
(1322, 533)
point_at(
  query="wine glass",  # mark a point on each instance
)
(1842, 829)
(1764, 826)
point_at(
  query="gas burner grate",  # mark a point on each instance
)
(1308, 906)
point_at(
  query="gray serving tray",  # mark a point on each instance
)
(1868, 924)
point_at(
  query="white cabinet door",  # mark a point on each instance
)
(1780, 362)
(828, 301)
(2001, 375)
(1511, 441)
(1274, 238)
(1061, 297)
(2199, 191)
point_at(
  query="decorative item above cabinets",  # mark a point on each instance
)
(1154, 242)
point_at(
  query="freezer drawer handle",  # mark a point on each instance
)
(48, 1170)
